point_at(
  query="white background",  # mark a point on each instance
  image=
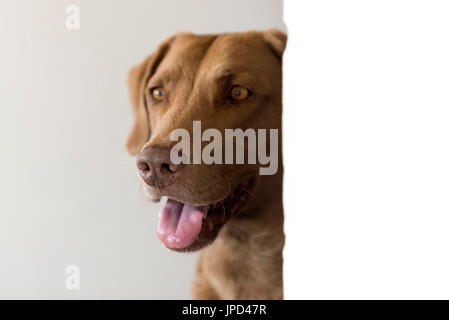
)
(366, 147)
(366, 125)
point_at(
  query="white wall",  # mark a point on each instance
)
(68, 190)
(366, 127)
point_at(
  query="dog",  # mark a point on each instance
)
(229, 211)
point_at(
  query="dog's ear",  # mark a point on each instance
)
(141, 129)
(277, 41)
(137, 78)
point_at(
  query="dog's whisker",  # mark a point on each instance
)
(224, 210)
(252, 194)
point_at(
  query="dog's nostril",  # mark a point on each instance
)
(143, 166)
(168, 167)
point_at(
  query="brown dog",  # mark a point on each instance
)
(231, 80)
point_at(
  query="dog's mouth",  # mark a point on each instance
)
(185, 227)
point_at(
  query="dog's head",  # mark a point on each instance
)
(226, 81)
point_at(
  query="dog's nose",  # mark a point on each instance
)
(156, 168)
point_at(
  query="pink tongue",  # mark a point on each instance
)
(180, 224)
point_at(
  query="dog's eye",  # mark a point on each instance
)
(157, 94)
(239, 93)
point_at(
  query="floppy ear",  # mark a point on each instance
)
(137, 78)
(141, 129)
(277, 40)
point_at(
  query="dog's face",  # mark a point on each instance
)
(226, 81)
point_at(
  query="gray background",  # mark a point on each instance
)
(69, 192)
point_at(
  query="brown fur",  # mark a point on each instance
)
(245, 260)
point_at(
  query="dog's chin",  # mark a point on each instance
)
(184, 227)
